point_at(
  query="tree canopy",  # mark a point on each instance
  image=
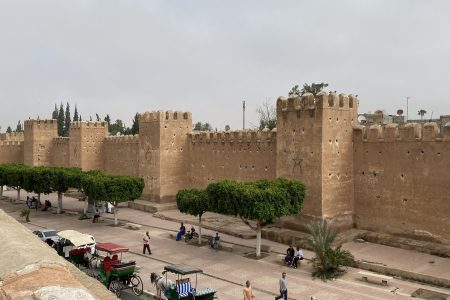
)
(313, 88)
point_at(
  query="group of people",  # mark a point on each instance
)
(30, 200)
(293, 256)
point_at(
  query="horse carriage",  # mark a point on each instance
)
(73, 246)
(112, 271)
(182, 288)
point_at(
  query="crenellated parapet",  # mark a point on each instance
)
(13, 136)
(322, 100)
(60, 141)
(122, 139)
(87, 124)
(410, 132)
(160, 116)
(11, 143)
(245, 136)
(41, 124)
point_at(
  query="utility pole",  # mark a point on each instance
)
(407, 109)
(243, 115)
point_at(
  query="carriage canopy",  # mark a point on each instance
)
(182, 269)
(76, 238)
(111, 248)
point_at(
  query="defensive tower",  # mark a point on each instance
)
(38, 142)
(314, 144)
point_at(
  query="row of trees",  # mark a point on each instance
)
(63, 116)
(257, 203)
(96, 185)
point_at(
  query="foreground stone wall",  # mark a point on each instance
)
(30, 269)
(401, 180)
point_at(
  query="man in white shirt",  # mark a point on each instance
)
(298, 255)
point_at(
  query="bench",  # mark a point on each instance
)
(133, 226)
(71, 213)
(184, 287)
(375, 277)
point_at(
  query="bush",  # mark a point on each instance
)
(328, 262)
(25, 213)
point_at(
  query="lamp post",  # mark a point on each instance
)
(407, 109)
(243, 115)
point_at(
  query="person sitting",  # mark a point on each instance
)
(181, 232)
(298, 255)
(47, 204)
(35, 201)
(290, 252)
(96, 216)
(190, 234)
(214, 242)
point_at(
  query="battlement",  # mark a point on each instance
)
(61, 140)
(45, 122)
(322, 100)
(410, 132)
(164, 115)
(87, 124)
(122, 139)
(264, 135)
(11, 143)
(13, 136)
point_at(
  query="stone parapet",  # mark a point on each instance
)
(252, 136)
(164, 115)
(322, 100)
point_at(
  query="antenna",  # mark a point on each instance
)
(431, 117)
(407, 108)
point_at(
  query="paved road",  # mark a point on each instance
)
(222, 270)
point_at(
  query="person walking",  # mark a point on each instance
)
(248, 293)
(146, 240)
(283, 287)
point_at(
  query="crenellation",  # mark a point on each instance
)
(391, 132)
(430, 132)
(375, 133)
(446, 132)
(13, 136)
(44, 122)
(411, 132)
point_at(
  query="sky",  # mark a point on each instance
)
(122, 57)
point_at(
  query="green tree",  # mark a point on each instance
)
(9, 130)
(61, 179)
(328, 261)
(55, 113)
(267, 116)
(314, 89)
(61, 120)
(117, 127)
(135, 125)
(75, 115)
(67, 120)
(193, 202)
(37, 180)
(257, 203)
(113, 189)
(19, 127)
(14, 174)
(421, 113)
(199, 126)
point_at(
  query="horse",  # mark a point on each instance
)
(161, 283)
(94, 261)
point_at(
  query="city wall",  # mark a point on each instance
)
(11, 152)
(401, 180)
(121, 155)
(238, 155)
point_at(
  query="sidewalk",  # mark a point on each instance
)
(400, 262)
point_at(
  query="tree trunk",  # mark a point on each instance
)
(1, 192)
(59, 210)
(258, 241)
(115, 214)
(85, 205)
(18, 193)
(38, 201)
(199, 229)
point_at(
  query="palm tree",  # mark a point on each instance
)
(328, 261)
(421, 113)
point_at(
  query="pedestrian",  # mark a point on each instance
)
(146, 240)
(283, 287)
(181, 232)
(248, 293)
(96, 216)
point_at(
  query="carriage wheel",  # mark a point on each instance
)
(114, 287)
(136, 285)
